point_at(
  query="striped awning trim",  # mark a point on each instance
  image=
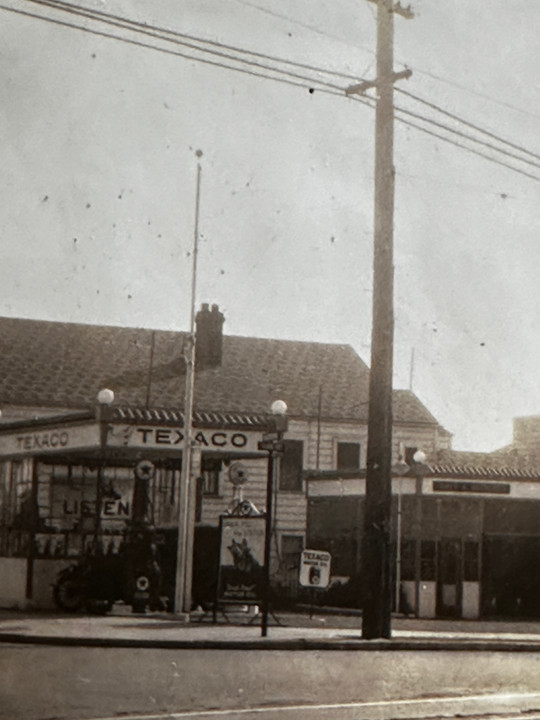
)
(201, 418)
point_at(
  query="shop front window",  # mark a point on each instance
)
(17, 508)
(82, 509)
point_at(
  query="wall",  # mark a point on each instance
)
(527, 437)
(45, 572)
(13, 585)
(320, 452)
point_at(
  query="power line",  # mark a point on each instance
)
(469, 149)
(315, 83)
(415, 68)
(155, 32)
(459, 86)
(175, 53)
(433, 106)
(179, 38)
(301, 24)
(466, 136)
(152, 30)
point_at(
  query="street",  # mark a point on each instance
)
(71, 683)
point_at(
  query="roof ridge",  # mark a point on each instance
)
(115, 326)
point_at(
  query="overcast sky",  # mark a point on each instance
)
(98, 184)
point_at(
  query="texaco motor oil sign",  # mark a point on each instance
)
(315, 568)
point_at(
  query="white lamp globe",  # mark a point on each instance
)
(279, 407)
(419, 456)
(105, 397)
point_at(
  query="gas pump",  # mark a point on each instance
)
(143, 573)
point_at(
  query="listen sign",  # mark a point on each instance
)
(315, 568)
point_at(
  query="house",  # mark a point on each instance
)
(58, 450)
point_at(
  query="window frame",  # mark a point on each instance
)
(340, 442)
(292, 475)
(211, 468)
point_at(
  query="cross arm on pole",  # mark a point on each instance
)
(361, 88)
(398, 8)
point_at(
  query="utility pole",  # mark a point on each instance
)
(186, 505)
(377, 541)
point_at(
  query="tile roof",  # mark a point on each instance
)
(461, 472)
(64, 365)
(148, 416)
(494, 472)
(505, 457)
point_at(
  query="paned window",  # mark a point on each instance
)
(290, 477)
(17, 508)
(348, 455)
(210, 470)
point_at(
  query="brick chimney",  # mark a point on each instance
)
(209, 336)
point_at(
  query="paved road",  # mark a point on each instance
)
(70, 683)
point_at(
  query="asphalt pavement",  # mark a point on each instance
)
(241, 630)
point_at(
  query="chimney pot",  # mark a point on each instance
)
(209, 336)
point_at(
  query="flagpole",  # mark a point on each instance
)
(186, 505)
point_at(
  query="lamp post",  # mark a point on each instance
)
(105, 399)
(273, 443)
(418, 470)
(399, 470)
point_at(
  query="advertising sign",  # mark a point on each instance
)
(159, 438)
(51, 440)
(315, 568)
(241, 559)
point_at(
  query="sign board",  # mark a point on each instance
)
(140, 437)
(170, 438)
(51, 440)
(241, 559)
(315, 568)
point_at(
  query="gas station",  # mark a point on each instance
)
(98, 483)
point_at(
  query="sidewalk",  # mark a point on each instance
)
(121, 628)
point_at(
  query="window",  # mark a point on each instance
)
(17, 508)
(290, 477)
(408, 455)
(348, 455)
(408, 547)
(470, 561)
(210, 469)
(291, 549)
(428, 568)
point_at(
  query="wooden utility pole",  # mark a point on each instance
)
(377, 541)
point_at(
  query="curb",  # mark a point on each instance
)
(510, 707)
(401, 645)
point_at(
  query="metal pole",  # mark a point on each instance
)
(418, 545)
(267, 541)
(186, 520)
(398, 549)
(377, 546)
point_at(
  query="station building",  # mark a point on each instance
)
(466, 538)
(67, 464)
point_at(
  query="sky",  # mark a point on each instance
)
(98, 179)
